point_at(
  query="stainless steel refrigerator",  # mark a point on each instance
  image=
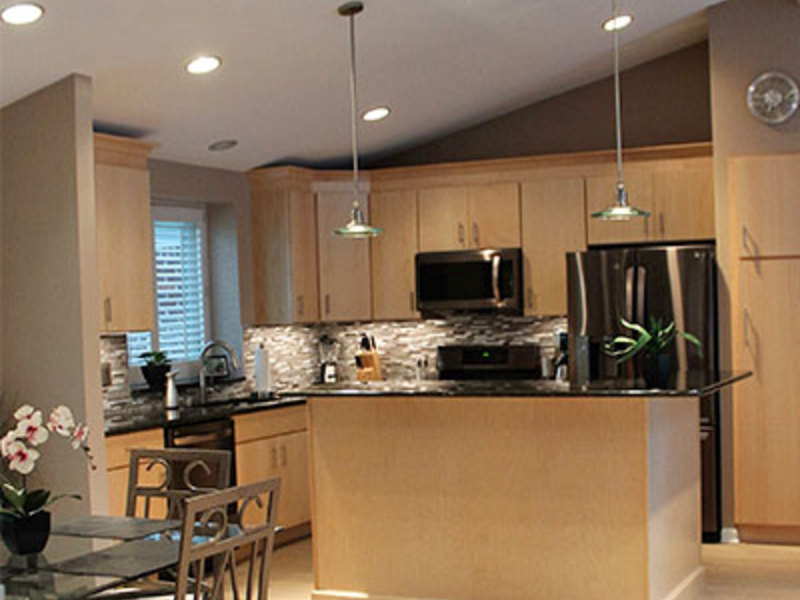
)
(675, 282)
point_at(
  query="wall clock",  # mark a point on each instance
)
(773, 97)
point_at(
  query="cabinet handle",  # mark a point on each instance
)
(461, 233)
(284, 457)
(646, 221)
(327, 304)
(300, 305)
(476, 235)
(745, 240)
(274, 454)
(411, 300)
(661, 222)
(530, 297)
(746, 326)
(107, 312)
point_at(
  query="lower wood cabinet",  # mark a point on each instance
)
(270, 444)
(118, 449)
(767, 405)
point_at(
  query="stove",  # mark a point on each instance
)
(511, 361)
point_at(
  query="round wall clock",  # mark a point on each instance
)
(773, 97)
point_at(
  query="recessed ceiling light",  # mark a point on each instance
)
(223, 145)
(204, 64)
(376, 114)
(22, 14)
(618, 22)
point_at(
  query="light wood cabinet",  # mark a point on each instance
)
(124, 234)
(274, 443)
(763, 190)
(553, 223)
(117, 461)
(393, 254)
(285, 286)
(478, 216)
(767, 405)
(344, 265)
(684, 203)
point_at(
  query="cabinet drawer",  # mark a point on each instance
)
(117, 446)
(269, 423)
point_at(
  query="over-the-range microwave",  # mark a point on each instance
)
(467, 280)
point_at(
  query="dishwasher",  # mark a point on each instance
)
(214, 434)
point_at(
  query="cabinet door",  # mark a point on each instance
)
(553, 223)
(443, 219)
(272, 261)
(684, 200)
(767, 405)
(763, 191)
(305, 285)
(256, 461)
(124, 248)
(393, 254)
(601, 193)
(344, 271)
(294, 506)
(494, 216)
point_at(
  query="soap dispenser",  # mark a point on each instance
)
(171, 395)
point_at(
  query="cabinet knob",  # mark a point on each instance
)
(327, 304)
(274, 454)
(300, 305)
(107, 311)
(284, 456)
(661, 223)
(476, 235)
(461, 234)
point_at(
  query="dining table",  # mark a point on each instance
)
(89, 554)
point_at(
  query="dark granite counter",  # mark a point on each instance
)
(153, 415)
(690, 383)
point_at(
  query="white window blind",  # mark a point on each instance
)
(179, 240)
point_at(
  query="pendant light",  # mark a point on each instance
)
(355, 228)
(619, 210)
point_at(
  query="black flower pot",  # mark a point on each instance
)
(657, 370)
(25, 535)
(156, 376)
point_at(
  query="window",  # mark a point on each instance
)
(179, 239)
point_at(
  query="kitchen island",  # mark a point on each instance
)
(519, 490)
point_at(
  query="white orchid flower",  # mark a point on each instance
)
(31, 429)
(80, 436)
(61, 421)
(24, 412)
(21, 458)
(6, 440)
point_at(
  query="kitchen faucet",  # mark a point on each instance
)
(232, 361)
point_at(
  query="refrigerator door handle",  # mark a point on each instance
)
(496, 278)
(629, 316)
(641, 286)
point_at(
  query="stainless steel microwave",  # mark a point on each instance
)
(466, 280)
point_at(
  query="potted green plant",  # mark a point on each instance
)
(155, 369)
(24, 522)
(653, 342)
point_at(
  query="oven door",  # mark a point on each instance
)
(469, 280)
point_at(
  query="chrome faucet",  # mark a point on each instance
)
(232, 361)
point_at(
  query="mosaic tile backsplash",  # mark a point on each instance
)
(294, 353)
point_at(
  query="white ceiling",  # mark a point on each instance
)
(282, 90)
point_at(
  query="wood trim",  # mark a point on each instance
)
(769, 534)
(120, 151)
(771, 257)
(117, 446)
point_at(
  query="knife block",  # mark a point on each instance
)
(368, 366)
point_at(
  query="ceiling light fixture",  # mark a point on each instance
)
(355, 228)
(221, 145)
(620, 210)
(618, 22)
(203, 64)
(22, 14)
(376, 114)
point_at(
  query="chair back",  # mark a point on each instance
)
(159, 480)
(211, 539)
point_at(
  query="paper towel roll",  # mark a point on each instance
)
(262, 373)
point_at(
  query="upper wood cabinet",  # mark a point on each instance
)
(124, 234)
(601, 193)
(478, 216)
(393, 254)
(344, 266)
(553, 223)
(284, 251)
(763, 190)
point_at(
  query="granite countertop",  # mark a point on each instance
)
(684, 384)
(150, 415)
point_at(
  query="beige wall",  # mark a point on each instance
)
(49, 281)
(746, 38)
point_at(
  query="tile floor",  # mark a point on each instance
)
(733, 572)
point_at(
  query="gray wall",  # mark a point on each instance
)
(664, 101)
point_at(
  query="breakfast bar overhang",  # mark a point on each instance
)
(524, 491)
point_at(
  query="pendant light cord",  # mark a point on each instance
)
(617, 102)
(354, 108)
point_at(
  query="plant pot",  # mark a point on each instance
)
(657, 370)
(156, 376)
(25, 535)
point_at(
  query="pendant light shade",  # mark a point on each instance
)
(620, 210)
(356, 227)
